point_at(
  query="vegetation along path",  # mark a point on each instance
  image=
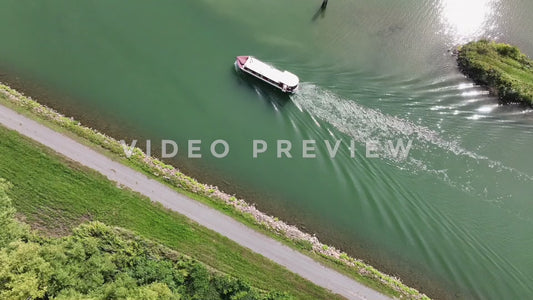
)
(204, 215)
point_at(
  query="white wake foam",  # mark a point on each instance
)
(365, 124)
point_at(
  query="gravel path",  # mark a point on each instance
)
(204, 215)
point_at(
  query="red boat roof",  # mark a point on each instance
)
(242, 59)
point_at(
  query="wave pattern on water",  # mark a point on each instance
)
(365, 124)
(438, 156)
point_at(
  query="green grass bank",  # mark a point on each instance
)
(97, 261)
(507, 72)
(212, 196)
(54, 195)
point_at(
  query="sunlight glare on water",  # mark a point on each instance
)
(464, 20)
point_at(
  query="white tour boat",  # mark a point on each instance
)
(284, 80)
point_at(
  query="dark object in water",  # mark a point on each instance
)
(321, 10)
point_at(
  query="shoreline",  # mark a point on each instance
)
(211, 195)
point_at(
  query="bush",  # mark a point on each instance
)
(304, 244)
(10, 229)
(502, 68)
(508, 50)
(100, 262)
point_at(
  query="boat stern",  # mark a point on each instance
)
(290, 82)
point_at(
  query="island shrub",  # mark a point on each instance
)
(507, 72)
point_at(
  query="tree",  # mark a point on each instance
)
(100, 262)
(10, 228)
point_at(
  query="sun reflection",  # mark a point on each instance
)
(467, 19)
(487, 108)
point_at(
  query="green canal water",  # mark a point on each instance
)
(455, 218)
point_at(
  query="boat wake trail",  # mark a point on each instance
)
(430, 153)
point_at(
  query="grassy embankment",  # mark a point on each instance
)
(100, 262)
(211, 196)
(502, 68)
(55, 195)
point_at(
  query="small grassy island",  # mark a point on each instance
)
(506, 71)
